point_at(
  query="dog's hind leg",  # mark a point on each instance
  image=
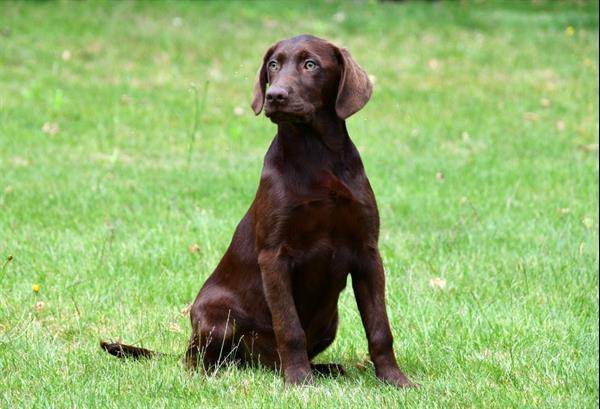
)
(213, 341)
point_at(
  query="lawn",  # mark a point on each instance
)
(129, 152)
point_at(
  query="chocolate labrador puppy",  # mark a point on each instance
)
(272, 299)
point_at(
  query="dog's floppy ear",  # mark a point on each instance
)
(355, 87)
(261, 83)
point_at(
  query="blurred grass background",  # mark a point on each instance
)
(128, 153)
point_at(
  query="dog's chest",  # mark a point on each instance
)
(334, 215)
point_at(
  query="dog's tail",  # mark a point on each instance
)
(127, 351)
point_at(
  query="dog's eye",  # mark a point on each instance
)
(310, 65)
(273, 65)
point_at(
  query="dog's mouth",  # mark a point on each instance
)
(294, 113)
(281, 117)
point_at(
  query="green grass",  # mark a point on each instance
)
(496, 96)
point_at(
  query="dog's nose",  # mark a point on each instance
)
(277, 94)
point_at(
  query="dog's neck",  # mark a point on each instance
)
(326, 133)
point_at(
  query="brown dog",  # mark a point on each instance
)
(273, 297)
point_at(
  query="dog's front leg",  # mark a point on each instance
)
(289, 335)
(368, 282)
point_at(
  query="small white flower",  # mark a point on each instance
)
(438, 283)
(177, 21)
(339, 17)
(175, 327)
(588, 222)
(39, 306)
(50, 128)
(433, 64)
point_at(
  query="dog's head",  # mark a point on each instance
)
(307, 75)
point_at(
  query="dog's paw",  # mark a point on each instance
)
(298, 376)
(396, 378)
(402, 382)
